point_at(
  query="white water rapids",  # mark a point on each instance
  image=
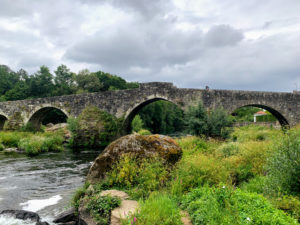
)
(42, 184)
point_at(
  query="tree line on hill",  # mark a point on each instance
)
(20, 85)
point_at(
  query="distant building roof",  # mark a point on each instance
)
(260, 113)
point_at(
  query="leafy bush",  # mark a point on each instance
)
(144, 132)
(224, 205)
(228, 149)
(260, 137)
(289, 204)
(255, 185)
(137, 123)
(93, 128)
(11, 139)
(101, 206)
(28, 128)
(36, 144)
(158, 209)
(139, 176)
(283, 167)
(2, 147)
(214, 124)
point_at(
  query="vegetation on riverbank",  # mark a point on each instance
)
(32, 143)
(242, 180)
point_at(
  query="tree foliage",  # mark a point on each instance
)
(19, 85)
(215, 123)
(162, 117)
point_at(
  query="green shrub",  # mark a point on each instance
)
(289, 204)
(94, 128)
(137, 123)
(140, 177)
(2, 147)
(260, 137)
(255, 185)
(214, 124)
(101, 206)
(158, 209)
(283, 167)
(228, 149)
(78, 194)
(32, 146)
(36, 144)
(11, 139)
(224, 205)
(28, 128)
(53, 143)
(144, 132)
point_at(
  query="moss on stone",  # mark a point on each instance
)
(14, 122)
(138, 146)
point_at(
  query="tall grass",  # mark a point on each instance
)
(158, 209)
(223, 205)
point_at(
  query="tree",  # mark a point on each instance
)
(137, 123)
(200, 122)
(88, 82)
(162, 117)
(196, 119)
(64, 81)
(41, 84)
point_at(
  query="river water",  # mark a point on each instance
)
(42, 184)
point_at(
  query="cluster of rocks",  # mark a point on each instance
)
(24, 215)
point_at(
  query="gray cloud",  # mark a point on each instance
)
(193, 43)
(223, 35)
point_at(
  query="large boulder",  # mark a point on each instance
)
(138, 145)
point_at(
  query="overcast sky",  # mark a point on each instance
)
(225, 44)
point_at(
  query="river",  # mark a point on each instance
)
(42, 184)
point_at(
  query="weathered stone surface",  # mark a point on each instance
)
(42, 223)
(127, 208)
(138, 145)
(185, 218)
(66, 216)
(115, 193)
(83, 213)
(56, 127)
(22, 214)
(12, 150)
(127, 102)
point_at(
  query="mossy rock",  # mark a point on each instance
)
(138, 145)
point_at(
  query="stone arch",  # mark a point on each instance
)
(131, 113)
(3, 119)
(39, 115)
(281, 119)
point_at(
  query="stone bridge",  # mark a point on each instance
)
(284, 106)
